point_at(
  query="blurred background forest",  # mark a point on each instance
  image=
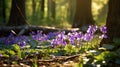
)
(59, 13)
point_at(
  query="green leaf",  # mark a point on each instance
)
(100, 57)
(5, 55)
(16, 47)
(70, 49)
(106, 55)
(109, 47)
(11, 52)
(33, 44)
(79, 65)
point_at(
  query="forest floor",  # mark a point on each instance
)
(58, 61)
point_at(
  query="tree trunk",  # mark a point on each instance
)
(42, 8)
(51, 9)
(113, 21)
(83, 14)
(71, 10)
(102, 13)
(17, 14)
(33, 9)
(2, 11)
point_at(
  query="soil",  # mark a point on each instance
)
(57, 61)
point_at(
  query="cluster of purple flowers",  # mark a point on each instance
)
(39, 36)
(56, 38)
(11, 39)
(59, 39)
(76, 38)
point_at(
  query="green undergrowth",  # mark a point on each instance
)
(91, 55)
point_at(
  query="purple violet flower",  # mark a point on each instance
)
(51, 35)
(61, 36)
(103, 29)
(0, 55)
(88, 37)
(22, 44)
(79, 35)
(36, 36)
(92, 29)
(60, 39)
(71, 38)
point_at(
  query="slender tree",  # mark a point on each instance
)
(51, 9)
(2, 11)
(83, 14)
(71, 10)
(17, 14)
(33, 9)
(113, 21)
(42, 8)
